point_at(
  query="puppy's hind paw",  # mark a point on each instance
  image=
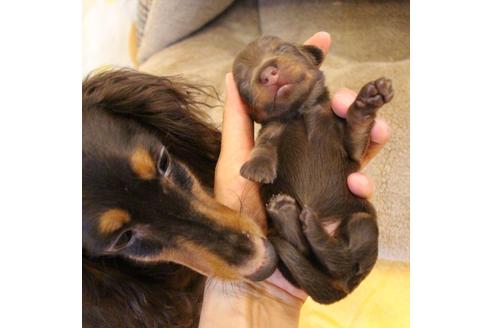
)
(282, 203)
(308, 217)
(260, 169)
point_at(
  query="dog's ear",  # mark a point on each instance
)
(314, 53)
(163, 105)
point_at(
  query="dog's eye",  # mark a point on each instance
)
(164, 161)
(125, 239)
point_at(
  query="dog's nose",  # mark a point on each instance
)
(268, 266)
(269, 76)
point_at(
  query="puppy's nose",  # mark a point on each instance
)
(269, 76)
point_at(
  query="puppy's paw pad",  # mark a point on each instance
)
(259, 169)
(281, 202)
(375, 94)
(385, 89)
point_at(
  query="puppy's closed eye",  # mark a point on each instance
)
(285, 48)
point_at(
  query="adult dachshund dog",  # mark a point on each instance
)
(151, 230)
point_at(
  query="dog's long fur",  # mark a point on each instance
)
(326, 238)
(151, 230)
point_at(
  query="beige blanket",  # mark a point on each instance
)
(370, 39)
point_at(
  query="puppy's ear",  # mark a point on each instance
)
(313, 52)
(167, 106)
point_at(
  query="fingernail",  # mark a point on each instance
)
(324, 34)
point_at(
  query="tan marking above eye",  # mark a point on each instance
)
(197, 258)
(204, 261)
(112, 220)
(142, 164)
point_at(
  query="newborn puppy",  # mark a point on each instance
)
(326, 237)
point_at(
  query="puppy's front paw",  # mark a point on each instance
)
(375, 94)
(260, 169)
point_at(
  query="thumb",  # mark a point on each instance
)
(237, 127)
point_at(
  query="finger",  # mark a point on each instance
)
(341, 101)
(361, 185)
(380, 134)
(237, 127)
(321, 40)
(278, 280)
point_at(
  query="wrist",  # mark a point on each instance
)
(247, 304)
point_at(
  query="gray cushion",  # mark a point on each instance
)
(163, 22)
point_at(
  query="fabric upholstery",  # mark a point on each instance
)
(370, 39)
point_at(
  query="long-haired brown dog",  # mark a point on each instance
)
(151, 230)
(326, 238)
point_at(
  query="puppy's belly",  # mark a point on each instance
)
(313, 171)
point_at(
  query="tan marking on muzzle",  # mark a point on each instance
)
(112, 220)
(196, 258)
(142, 164)
(222, 215)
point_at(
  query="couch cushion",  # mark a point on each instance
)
(163, 22)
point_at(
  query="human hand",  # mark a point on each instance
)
(272, 303)
(230, 188)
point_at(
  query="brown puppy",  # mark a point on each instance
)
(326, 238)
